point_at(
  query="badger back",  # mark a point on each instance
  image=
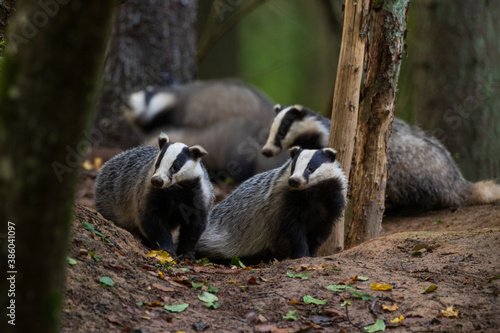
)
(197, 105)
(296, 126)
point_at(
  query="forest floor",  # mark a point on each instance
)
(442, 268)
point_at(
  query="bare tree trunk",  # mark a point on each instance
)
(151, 41)
(457, 77)
(346, 99)
(46, 98)
(369, 171)
(7, 7)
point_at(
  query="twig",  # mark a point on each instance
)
(372, 307)
(349, 319)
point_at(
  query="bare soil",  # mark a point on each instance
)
(460, 255)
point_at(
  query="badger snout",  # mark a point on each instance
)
(293, 182)
(156, 181)
(267, 152)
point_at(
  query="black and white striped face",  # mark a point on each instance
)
(310, 167)
(292, 126)
(147, 104)
(176, 162)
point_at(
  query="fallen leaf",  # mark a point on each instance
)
(162, 287)
(162, 256)
(390, 308)
(449, 312)
(252, 280)
(308, 299)
(265, 329)
(332, 313)
(429, 289)
(303, 276)
(176, 307)
(87, 165)
(237, 262)
(380, 286)
(154, 304)
(209, 299)
(377, 327)
(291, 315)
(97, 163)
(363, 296)
(71, 261)
(397, 319)
(339, 287)
(296, 302)
(106, 281)
(233, 282)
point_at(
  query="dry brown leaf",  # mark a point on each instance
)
(162, 287)
(252, 280)
(113, 319)
(332, 312)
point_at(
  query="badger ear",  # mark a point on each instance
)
(330, 153)
(197, 151)
(278, 108)
(294, 151)
(162, 140)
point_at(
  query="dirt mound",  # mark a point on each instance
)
(463, 265)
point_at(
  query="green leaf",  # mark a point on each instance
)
(139, 303)
(212, 289)
(196, 285)
(363, 296)
(89, 227)
(308, 299)
(438, 222)
(339, 287)
(429, 289)
(303, 276)
(209, 299)
(291, 315)
(107, 281)
(237, 262)
(346, 303)
(176, 307)
(377, 327)
(185, 269)
(94, 256)
(362, 278)
(71, 261)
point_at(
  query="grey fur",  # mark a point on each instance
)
(230, 118)
(421, 173)
(124, 194)
(265, 218)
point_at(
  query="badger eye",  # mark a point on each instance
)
(175, 167)
(310, 168)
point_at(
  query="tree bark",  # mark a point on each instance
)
(46, 97)
(346, 100)
(369, 171)
(7, 7)
(152, 41)
(456, 56)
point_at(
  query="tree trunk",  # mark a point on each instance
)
(346, 99)
(152, 41)
(457, 52)
(46, 97)
(7, 7)
(369, 171)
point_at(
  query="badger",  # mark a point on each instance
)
(230, 118)
(285, 212)
(421, 172)
(151, 192)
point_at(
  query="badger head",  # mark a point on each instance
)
(147, 105)
(293, 125)
(176, 163)
(310, 167)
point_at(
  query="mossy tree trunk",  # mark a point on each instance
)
(7, 7)
(47, 85)
(152, 41)
(455, 64)
(369, 170)
(346, 99)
